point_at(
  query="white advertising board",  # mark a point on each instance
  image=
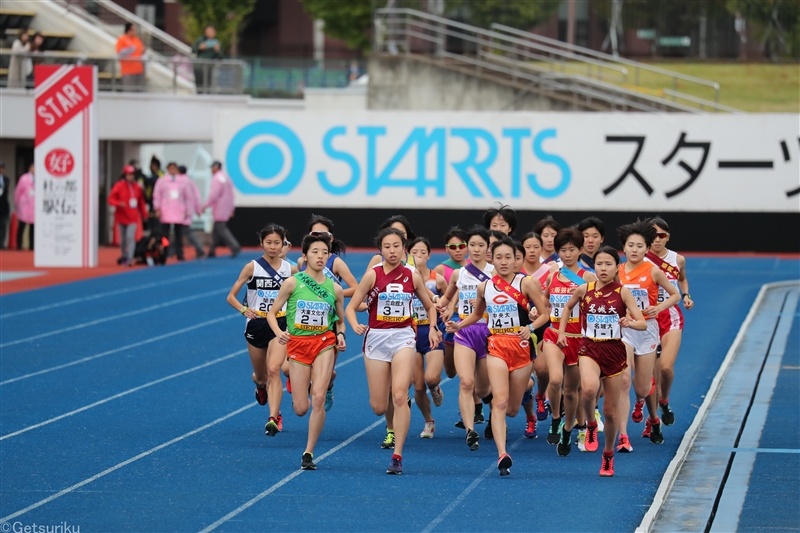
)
(536, 161)
(66, 157)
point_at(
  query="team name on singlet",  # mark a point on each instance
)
(312, 316)
(393, 306)
(503, 318)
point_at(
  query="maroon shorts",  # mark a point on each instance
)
(571, 352)
(610, 356)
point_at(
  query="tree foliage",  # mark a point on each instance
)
(348, 20)
(225, 15)
(780, 20)
(521, 14)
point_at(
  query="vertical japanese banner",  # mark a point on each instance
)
(65, 154)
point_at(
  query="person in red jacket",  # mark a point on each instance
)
(128, 199)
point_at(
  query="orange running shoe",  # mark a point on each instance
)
(590, 443)
(637, 415)
(607, 467)
(647, 428)
(624, 444)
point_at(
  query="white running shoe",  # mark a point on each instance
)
(437, 395)
(599, 420)
(582, 440)
(430, 428)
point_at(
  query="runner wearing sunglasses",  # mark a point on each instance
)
(390, 340)
(643, 278)
(264, 277)
(456, 247)
(470, 342)
(670, 321)
(314, 331)
(506, 298)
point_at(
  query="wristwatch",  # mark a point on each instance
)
(342, 334)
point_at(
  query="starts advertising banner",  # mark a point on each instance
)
(65, 156)
(554, 161)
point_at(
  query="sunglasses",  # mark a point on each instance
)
(286, 243)
(321, 234)
(456, 246)
(662, 235)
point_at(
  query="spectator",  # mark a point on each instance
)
(4, 209)
(148, 184)
(37, 47)
(194, 209)
(171, 200)
(128, 199)
(25, 206)
(206, 48)
(130, 50)
(19, 67)
(220, 200)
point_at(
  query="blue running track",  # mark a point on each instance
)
(126, 405)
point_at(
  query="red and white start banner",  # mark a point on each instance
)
(66, 181)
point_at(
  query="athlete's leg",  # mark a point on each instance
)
(643, 381)
(542, 375)
(670, 344)
(379, 374)
(300, 375)
(465, 368)
(320, 377)
(572, 380)
(276, 356)
(420, 389)
(402, 374)
(590, 384)
(611, 410)
(449, 362)
(497, 370)
(433, 368)
(624, 394)
(258, 358)
(482, 385)
(554, 358)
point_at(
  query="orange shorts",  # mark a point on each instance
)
(304, 349)
(571, 352)
(515, 352)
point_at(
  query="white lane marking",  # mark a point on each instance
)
(104, 294)
(115, 317)
(117, 350)
(120, 395)
(460, 498)
(124, 463)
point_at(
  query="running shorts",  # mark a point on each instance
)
(259, 334)
(474, 337)
(611, 356)
(571, 352)
(642, 342)
(304, 349)
(669, 320)
(423, 343)
(383, 344)
(511, 349)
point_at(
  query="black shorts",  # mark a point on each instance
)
(259, 334)
(539, 332)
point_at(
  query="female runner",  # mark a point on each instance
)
(548, 228)
(456, 246)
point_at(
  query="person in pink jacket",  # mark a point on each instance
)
(172, 201)
(25, 206)
(220, 200)
(194, 209)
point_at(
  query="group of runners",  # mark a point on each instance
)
(549, 323)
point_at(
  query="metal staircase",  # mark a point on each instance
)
(533, 64)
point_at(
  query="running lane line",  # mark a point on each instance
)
(142, 455)
(287, 479)
(121, 394)
(117, 350)
(115, 317)
(104, 294)
(472, 486)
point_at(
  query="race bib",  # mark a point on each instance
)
(312, 315)
(503, 319)
(132, 202)
(662, 294)
(641, 296)
(602, 327)
(557, 304)
(465, 298)
(394, 307)
(420, 313)
(267, 300)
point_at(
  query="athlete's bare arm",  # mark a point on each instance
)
(477, 311)
(283, 296)
(661, 279)
(638, 323)
(367, 282)
(683, 283)
(340, 325)
(341, 269)
(579, 293)
(244, 277)
(434, 335)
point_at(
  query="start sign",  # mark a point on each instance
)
(66, 182)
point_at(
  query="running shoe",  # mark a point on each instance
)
(565, 443)
(460, 423)
(527, 397)
(395, 466)
(656, 437)
(261, 394)
(472, 440)
(503, 464)
(288, 384)
(388, 442)
(437, 396)
(667, 415)
(581, 440)
(427, 432)
(280, 422)
(329, 399)
(647, 428)
(552, 434)
(590, 442)
(637, 415)
(409, 401)
(607, 466)
(530, 429)
(307, 463)
(542, 408)
(488, 434)
(624, 444)
(599, 420)
(271, 429)
(479, 414)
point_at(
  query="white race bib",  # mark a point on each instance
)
(312, 315)
(420, 313)
(602, 327)
(557, 304)
(267, 300)
(394, 307)
(641, 296)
